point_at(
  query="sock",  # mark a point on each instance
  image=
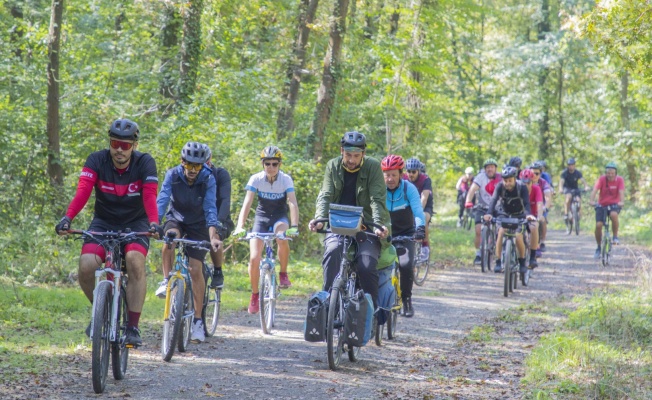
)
(195, 319)
(521, 262)
(218, 269)
(498, 261)
(425, 244)
(533, 254)
(134, 318)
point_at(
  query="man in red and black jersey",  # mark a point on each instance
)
(125, 183)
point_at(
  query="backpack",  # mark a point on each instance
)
(358, 319)
(314, 327)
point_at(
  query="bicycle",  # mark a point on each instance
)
(109, 318)
(421, 266)
(605, 245)
(467, 217)
(268, 288)
(487, 244)
(179, 301)
(343, 289)
(509, 253)
(573, 219)
(210, 311)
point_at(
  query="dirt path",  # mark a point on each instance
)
(432, 356)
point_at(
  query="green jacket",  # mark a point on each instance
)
(371, 191)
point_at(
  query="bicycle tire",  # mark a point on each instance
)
(486, 252)
(120, 352)
(100, 336)
(187, 320)
(172, 326)
(265, 288)
(525, 278)
(469, 220)
(210, 312)
(380, 330)
(334, 327)
(421, 269)
(569, 224)
(507, 267)
(576, 220)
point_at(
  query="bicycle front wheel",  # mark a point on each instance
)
(507, 267)
(186, 321)
(120, 352)
(210, 312)
(335, 328)
(172, 325)
(100, 335)
(486, 251)
(267, 290)
(576, 220)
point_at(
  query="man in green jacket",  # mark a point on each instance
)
(356, 180)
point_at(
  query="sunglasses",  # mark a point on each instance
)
(119, 144)
(537, 173)
(271, 164)
(412, 171)
(192, 166)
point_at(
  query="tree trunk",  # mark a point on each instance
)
(394, 18)
(629, 149)
(16, 11)
(285, 120)
(543, 28)
(169, 40)
(55, 171)
(190, 50)
(326, 93)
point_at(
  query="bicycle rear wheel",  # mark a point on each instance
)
(335, 327)
(421, 271)
(267, 290)
(100, 335)
(210, 311)
(119, 352)
(507, 266)
(186, 321)
(172, 326)
(380, 329)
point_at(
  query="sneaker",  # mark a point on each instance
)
(133, 337)
(162, 289)
(615, 240)
(408, 311)
(425, 253)
(88, 330)
(283, 280)
(477, 260)
(218, 279)
(254, 305)
(539, 255)
(597, 253)
(197, 332)
(542, 247)
(522, 269)
(459, 223)
(565, 217)
(499, 268)
(533, 264)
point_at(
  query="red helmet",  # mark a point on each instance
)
(526, 175)
(392, 162)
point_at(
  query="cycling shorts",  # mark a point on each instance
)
(601, 213)
(190, 232)
(268, 225)
(139, 244)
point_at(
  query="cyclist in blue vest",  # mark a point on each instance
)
(189, 190)
(406, 213)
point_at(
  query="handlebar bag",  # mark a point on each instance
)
(345, 220)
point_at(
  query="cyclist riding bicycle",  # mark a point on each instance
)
(408, 219)
(515, 201)
(463, 185)
(547, 191)
(354, 179)
(223, 205)
(275, 190)
(516, 162)
(544, 173)
(189, 191)
(484, 184)
(416, 173)
(612, 192)
(536, 207)
(125, 183)
(568, 183)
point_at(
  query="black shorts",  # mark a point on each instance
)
(601, 213)
(267, 224)
(191, 232)
(576, 191)
(478, 215)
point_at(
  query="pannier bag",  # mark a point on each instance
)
(345, 220)
(358, 319)
(386, 293)
(314, 328)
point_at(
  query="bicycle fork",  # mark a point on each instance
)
(113, 279)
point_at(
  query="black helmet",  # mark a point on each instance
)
(571, 161)
(509, 172)
(354, 139)
(515, 162)
(124, 129)
(194, 152)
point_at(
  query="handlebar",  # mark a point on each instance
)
(266, 236)
(365, 224)
(171, 238)
(404, 238)
(108, 234)
(610, 207)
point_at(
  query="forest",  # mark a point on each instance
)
(452, 82)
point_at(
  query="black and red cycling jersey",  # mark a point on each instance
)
(122, 196)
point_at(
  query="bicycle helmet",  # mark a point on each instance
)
(611, 164)
(509, 172)
(422, 168)
(272, 152)
(515, 162)
(469, 170)
(413, 164)
(526, 175)
(392, 162)
(354, 141)
(208, 151)
(571, 161)
(124, 129)
(194, 152)
(490, 161)
(537, 165)
(543, 163)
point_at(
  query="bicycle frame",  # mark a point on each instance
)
(179, 272)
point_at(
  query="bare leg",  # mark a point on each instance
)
(137, 280)
(255, 250)
(88, 263)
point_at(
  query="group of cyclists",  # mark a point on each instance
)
(528, 193)
(194, 202)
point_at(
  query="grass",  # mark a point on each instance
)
(481, 333)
